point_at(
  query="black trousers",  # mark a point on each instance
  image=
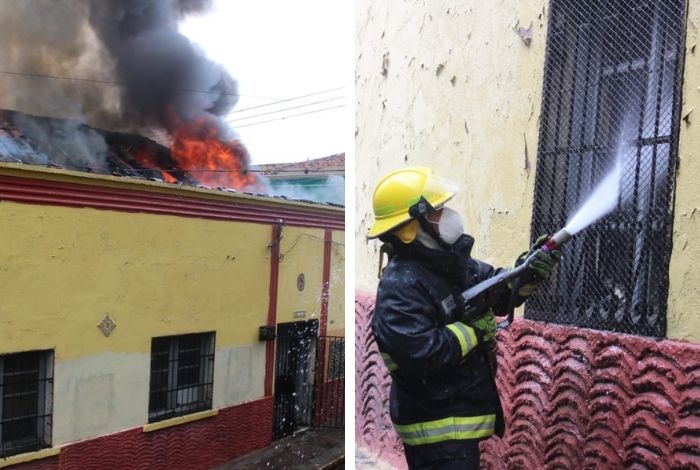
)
(454, 455)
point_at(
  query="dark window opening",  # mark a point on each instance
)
(182, 375)
(611, 93)
(26, 397)
(336, 360)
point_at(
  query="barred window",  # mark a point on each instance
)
(611, 93)
(336, 360)
(182, 375)
(26, 388)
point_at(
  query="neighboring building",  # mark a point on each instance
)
(319, 180)
(131, 320)
(528, 130)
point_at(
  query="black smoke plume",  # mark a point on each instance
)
(140, 70)
(161, 70)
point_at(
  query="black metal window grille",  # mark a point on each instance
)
(182, 375)
(26, 397)
(329, 393)
(336, 360)
(612, 85)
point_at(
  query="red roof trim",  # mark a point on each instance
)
(37, 191)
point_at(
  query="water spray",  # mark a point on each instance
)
(478, 299)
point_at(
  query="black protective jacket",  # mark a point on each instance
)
(439, 394)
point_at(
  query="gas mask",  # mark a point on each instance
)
(445, 224)
(450, 226)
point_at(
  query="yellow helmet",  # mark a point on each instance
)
(406, 193)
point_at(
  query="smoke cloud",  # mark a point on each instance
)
(70, 142)
(331, 190)
(167, 79)
(132, 71)
(159, 76)
(139, 74)
(47, 37)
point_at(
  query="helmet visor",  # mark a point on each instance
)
(438, 190)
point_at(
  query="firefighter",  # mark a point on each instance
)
(443, 397)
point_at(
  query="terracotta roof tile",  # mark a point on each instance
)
(318, 165)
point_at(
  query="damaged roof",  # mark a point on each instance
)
(72, 145)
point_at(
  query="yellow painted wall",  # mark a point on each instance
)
(464, 99)
(684, 276)
(336, 291)
(301, 251)
(461, 94)
(63, 269)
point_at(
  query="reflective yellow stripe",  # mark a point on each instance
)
(465, 335)
(446, 429)
(389, 362)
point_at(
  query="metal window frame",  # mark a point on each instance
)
(44, 403)
(202, 391)
(582, 89)
(336, 357)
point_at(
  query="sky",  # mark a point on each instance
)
(280, 50)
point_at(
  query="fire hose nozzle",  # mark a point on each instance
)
(557, 240)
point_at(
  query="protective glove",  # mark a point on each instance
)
(542, 265)
(485, 327)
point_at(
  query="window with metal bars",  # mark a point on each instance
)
(336, 359)
(612, 85)
(182, 375)
(26, 397)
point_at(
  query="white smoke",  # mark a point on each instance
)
(331, 190)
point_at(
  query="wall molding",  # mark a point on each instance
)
(61, 193)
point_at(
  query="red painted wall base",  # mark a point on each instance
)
(329, 403)
(573, 398)
(203, 444)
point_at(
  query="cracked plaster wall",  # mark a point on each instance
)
(456, 85)
(451, 85)
(684, 274)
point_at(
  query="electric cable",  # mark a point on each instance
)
(284, 109)
(284, 100)
(187, 90)
(291, 116)
(282, 255)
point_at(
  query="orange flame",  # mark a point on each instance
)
(199, 150)
(147, 159)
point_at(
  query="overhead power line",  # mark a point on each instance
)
(285, 100)
(242, 118)
(185, 90)
(290, 116)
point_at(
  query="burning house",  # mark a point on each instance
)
(157, 320)
(159, 309)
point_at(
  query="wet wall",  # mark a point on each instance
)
(573, 398)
